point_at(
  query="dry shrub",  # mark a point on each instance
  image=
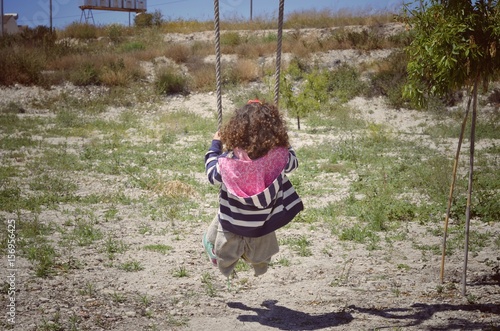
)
(243, 71)
(80, 31)
(22, 65)
(110, 77)
(299, 49)
(228, 49)
(267, 48)
(66, 62)
(106, 69)
(133, 67)
(147, 54)
(248, 51)
(202, 48)
(203, 76)
(178, 52)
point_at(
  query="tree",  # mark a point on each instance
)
(455, 46)
(147, 20)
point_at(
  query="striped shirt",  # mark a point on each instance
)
(258, 214)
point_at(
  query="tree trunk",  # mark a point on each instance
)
(471, 176)
(452, 186)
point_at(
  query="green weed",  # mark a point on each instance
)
(181, 272)
(131, 266)
(207, 282)
(160, 248)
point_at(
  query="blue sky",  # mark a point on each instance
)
(64, 12)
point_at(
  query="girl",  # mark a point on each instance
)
(256, 198)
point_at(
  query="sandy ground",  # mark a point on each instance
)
(341, 286)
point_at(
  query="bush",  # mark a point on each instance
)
(40, 36)
(345, 83)
(179, 53)
(243, 71)
(143, 20)
(231, 39)
(21, 65)
(170, 82)
(390, 79)
(86, 74)
(81, 31)
(203, 76)
(115, 32)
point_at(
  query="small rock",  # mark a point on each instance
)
(130, 313)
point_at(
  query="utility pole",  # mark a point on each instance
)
(251, 9)
(1, 18)
(50, 15)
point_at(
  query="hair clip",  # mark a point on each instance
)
(254, 101)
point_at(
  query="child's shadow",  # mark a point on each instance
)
(287, 319)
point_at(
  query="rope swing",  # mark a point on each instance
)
(218, 77)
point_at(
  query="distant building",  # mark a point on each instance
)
(10, 24)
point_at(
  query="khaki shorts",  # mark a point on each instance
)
(230, 247)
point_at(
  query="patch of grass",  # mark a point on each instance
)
(53, 324)
(84, 232)
(282, 261)
(359, 233)
(207, 282)
(404, 267)
(118, 297)
(131, 46)
(145, 228)
(12, 108)
(145, 300)
(181, 272)
(88, 290)
(44, 256)
(114, 246)
(299, 245)
(10, 196)
(16, 143)
(160, 248)
(131, 266)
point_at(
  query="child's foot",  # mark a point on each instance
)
(209, 248)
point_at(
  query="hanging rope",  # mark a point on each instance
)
(218, 56)
(278, 53)
(217, 64)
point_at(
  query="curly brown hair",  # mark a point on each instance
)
(257, 128)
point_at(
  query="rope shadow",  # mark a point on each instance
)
(283, 318)
(418, 313)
